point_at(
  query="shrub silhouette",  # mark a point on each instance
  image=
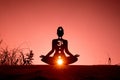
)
(15, 56)
(28, 59)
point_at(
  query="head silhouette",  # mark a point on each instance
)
(60, 32)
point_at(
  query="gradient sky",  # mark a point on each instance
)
(92, 27)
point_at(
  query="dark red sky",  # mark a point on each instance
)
(92, 27)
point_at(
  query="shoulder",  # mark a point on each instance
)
(58, 39)
(55, 40)
(64, 40)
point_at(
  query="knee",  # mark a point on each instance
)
(76, 58)
(44, 58)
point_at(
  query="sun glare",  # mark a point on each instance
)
(59, 61)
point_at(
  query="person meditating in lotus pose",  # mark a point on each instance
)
(60, 51)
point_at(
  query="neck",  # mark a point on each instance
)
(59, 37)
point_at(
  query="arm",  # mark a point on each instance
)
(51, 50)
(66, 48)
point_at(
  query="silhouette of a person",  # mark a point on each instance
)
(59, 48)
(109, 61)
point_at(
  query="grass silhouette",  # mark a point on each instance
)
(15, 56)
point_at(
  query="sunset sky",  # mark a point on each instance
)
(92, 27)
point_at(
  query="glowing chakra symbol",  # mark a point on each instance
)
(60, 29)
(59, 61)
(60, 43)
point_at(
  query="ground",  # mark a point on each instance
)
(71, 72)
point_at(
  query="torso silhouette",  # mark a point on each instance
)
(60, 48)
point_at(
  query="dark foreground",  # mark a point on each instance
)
(72, 72)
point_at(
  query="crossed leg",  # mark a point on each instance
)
(52, 60)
